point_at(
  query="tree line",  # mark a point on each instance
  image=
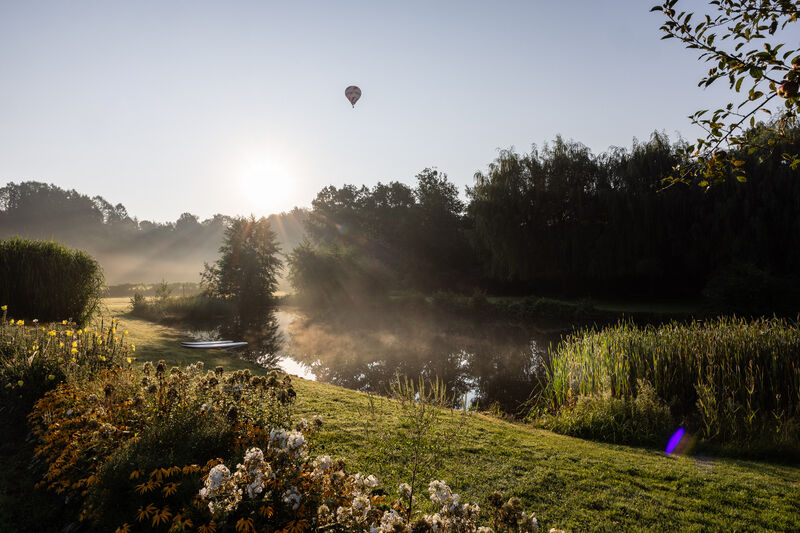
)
(130, 250)
(562, 220)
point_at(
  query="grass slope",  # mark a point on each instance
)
(569, 483)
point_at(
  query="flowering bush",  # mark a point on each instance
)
(282, 489)
(35, 358)
(148, 449)
(120, 425)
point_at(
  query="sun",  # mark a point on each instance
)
(265, 184)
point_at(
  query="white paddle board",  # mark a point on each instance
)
(213, 345)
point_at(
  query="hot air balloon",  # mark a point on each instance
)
(353, 93)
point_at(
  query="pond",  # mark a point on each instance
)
(483, 362)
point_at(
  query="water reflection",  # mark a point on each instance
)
(262, 334)
(482, 363)
(488, 362)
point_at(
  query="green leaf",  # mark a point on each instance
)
(741, 179)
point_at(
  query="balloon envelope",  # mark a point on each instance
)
(353, 93)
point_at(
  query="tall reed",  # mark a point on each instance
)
(730, 376)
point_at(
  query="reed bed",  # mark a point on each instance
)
(732, 378)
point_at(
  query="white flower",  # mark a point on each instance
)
(218, 475)
(277, 438)
(405, 490)
(253, 455)
(256, 486)
(292, 497)
(439, 492)
(360, 503)
(389, 519)
(295, 440)
(323, 462)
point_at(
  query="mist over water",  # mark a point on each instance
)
(486, 362)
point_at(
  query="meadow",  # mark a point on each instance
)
(568, 482)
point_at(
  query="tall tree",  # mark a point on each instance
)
(248, 268)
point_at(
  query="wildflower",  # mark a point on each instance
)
(292, 497)
(79, 332)
(20, 322)
(295, 440)
(440, 492)
(68, 333)
(128, 360)
(323, 462)
(63, 322)
(73, 351)
(277, 438)
(74, 344)
(60, 344)
(216, 477)
(51, 333)
(125, 332)
(133, 347)
(4, 308)
(404, 490)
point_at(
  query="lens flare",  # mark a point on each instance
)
(675, 440)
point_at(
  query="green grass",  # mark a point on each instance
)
(569, 483)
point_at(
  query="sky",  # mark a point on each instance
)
(238, 107)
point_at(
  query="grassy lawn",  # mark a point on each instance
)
(569, 483)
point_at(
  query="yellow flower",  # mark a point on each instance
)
(101, 357)
(20, 322)
(69, 333)
(113, 330)
(74, 344)
(60, 344)
(51, 333)
(4, 308)
(80, 332)
(64, 322)
(73, 351)
(125, 332)
(128, 359)
(133, 347)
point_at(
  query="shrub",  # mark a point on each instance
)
(35, 359)
(94, 434)
(47, 281)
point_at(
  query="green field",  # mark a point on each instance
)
(569, 483)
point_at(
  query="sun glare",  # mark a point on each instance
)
(266, 185)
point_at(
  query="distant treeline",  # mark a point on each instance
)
(129, 250)
(561, 220)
